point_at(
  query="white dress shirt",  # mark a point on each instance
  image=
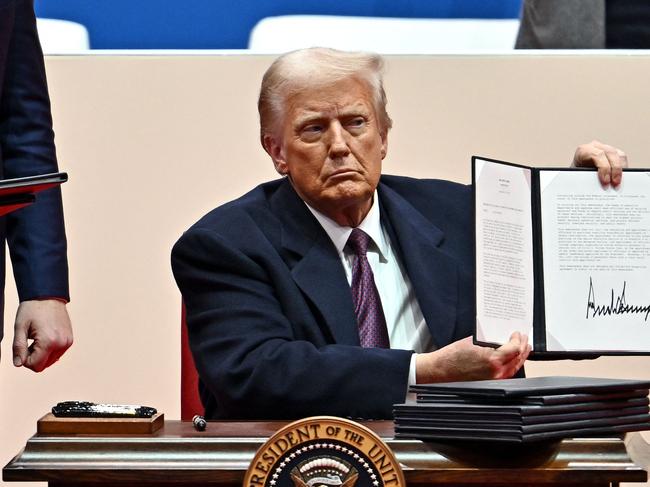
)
(406, 326)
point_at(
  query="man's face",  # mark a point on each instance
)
(331, 146)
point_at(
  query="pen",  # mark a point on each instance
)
(199, 423)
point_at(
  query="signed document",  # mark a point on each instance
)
(562, 259)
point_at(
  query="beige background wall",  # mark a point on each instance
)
(153, 142)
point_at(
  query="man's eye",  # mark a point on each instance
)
(357, 122)
(311, 133)
(312, 129)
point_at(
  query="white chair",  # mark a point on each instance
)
(383, 35)
(62, 36)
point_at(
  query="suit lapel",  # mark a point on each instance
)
(432, 272)
(317, 270)
(315, 264)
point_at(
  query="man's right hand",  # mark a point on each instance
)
(47, 323)
(462, 360)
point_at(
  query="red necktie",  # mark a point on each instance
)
(367, 303)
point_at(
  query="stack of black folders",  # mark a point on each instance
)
(524, 410)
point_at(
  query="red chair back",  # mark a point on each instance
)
(190, 400)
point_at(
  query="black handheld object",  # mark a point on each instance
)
(19, 192)
(85, 409)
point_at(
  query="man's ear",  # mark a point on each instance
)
(384, 143)
(274, 148)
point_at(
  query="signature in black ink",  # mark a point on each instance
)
(616, 306)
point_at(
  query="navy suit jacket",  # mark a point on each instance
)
(269, 310)
(35, 234)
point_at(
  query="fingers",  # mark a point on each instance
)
(512, 349)
(609, 161)
(462, 360)
(518, 362)
(523, 357)
(19, 346)
(510, 357)
(47, 323)
(524, 349)
(44, 351)
(38, 358)
(57, 352)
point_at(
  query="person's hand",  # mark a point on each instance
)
(47, 323)
(462, 360)
(607, 159)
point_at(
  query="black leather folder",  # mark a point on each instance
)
(16, 193)
(444, 417)
(547, 400)
(570, 311)
(512, 410)
(534, 386)
(486, 434)
(524, 410)
(533, 428)
(546, 422)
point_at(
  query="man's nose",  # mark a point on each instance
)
(338, 143)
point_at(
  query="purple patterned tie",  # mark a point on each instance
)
(367, 303)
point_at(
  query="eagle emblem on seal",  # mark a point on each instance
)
(324, 471)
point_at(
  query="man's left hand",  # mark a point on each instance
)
(607, 159)
(47, 323)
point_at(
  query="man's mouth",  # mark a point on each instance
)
(343, 173)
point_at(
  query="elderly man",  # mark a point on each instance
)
(330, 290)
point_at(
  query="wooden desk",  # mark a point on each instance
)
(179, 455)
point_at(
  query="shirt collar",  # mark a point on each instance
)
(371, 224)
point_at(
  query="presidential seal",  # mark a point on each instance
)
(324, 451)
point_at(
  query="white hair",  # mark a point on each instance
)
(314, 67)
